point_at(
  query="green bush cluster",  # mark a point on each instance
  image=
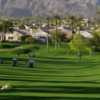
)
(8, 45)
(78, 44)
(25, 49)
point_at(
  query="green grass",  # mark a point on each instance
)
(42, 51)
(53, 78)
(56, 76)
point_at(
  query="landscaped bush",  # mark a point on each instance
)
(79, 44)
(36, 47)
(8, 45)
(27, 39)
(25, 49)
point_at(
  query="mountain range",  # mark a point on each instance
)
(21, 8)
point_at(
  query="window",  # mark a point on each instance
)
(10, 38)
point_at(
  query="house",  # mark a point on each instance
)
(66, 33)
(12, 37)
(39, 33)
(86, 34)
(18, 33)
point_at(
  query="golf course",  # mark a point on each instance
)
(49, 49)
(52, 78)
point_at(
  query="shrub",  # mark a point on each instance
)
(23, 50)
(7, 45)
(27, 39)
(78, 44)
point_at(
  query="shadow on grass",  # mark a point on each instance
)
(44, 98)
(56, 89)
(57, 61)
(58, 64)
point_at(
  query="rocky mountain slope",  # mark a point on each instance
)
(19, 8)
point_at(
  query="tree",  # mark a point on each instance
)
(27, 39)
(56, 36)
(79, 45)
(75, 23)
(57, 20)
(6, 26)
(95, 41)
(48, 20)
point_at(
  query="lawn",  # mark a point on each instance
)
(53, 78)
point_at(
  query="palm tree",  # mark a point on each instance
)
(57, 22)
(48, 21)
(6, 27)
(73, 22)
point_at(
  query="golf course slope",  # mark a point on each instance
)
(52, 79)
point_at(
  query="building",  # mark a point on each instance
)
(18, 33)
(86, 34)
(13, 37)
(2, 36)
(39, 33)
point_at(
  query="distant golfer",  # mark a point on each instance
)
(1, 60)
(14, 61)
(31, 62)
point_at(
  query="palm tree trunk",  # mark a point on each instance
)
(48, 32)
(56, 42)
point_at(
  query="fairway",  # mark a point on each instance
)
(52, 79)
(49, 49)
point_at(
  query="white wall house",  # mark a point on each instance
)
(15, 36)
(17, 33)
(39, 33)
(11, 36)
(86, 34)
